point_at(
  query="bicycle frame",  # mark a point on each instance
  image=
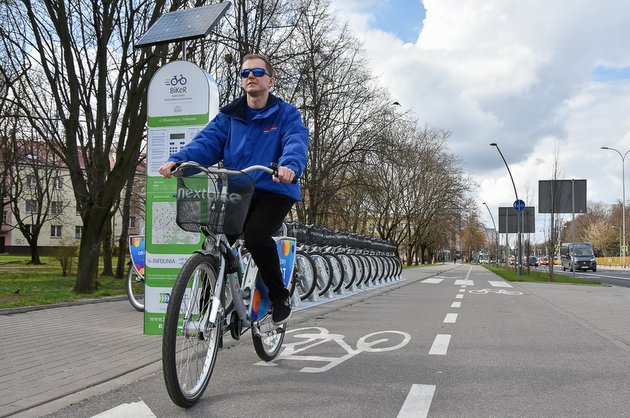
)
(247, 312)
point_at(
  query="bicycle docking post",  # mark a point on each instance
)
(341, 291)
(296, 302)
(314, 297)
(328, 295)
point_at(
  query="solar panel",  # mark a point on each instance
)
(183, 25)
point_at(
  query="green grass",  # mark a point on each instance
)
(537, 276)
(23, 284)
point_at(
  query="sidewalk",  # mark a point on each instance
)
(603, 309)
(54, 357)
(48, 354)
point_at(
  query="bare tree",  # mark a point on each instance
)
(473, 236)
(92, 106)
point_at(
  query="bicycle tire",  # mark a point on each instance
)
(374, 273)
(304, 275)
(323, 272)
(367, 271)
(336, 271)
(268, 347)
(187, 368)
(397, 266)
(380, 268)
(389, 267)
(358, 269)
(135, 289)
(360, 265)
(348, 270)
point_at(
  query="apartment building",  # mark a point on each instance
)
(39, 192)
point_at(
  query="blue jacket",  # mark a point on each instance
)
(276, 134)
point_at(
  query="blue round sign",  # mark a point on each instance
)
(519, 205)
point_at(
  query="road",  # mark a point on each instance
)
(611, 276)
(448, 341)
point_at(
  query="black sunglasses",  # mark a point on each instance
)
(258, 72)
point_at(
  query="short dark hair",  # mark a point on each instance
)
(268, 65)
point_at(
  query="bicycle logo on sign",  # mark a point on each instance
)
(497, 291)
(311, 337)
(178, 80)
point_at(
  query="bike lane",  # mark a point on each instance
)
(487, 352)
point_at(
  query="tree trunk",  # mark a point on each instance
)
(93, 225)
(409, 255)
(107, 248)
(124, 234)
(34, 252)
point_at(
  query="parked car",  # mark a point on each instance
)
(533, 261)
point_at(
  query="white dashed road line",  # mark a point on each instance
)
(499, 283)
(450, 318)
(418, 401)
(135, 410)
(456, 305)
(440, 345)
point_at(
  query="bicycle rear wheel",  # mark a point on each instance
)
(135, 289)
(190, 343)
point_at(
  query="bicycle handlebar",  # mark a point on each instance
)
(179, 172)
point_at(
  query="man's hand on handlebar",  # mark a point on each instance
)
(285, 175)
(166, 168)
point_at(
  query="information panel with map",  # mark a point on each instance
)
(182, 99)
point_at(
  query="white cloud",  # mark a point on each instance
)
(517, 73)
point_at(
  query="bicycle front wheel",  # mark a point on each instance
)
(304, 275)
(135, 289)
(190, 342)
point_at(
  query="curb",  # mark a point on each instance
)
(88, 301)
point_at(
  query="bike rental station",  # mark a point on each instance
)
(182, 99)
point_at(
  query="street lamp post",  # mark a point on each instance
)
(623, 201)
(519, 261)
(496, 254)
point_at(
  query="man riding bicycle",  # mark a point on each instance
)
(257, 128)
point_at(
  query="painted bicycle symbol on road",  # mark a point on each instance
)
(311, 337)
(497, 291)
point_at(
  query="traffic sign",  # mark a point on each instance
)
(519, 205)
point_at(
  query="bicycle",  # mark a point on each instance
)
(213, 293)
(134, 282)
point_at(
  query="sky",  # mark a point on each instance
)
(545, 80)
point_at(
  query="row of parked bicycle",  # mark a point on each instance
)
(333, 261)
(327, 262)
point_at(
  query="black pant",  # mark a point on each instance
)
(266, 213)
